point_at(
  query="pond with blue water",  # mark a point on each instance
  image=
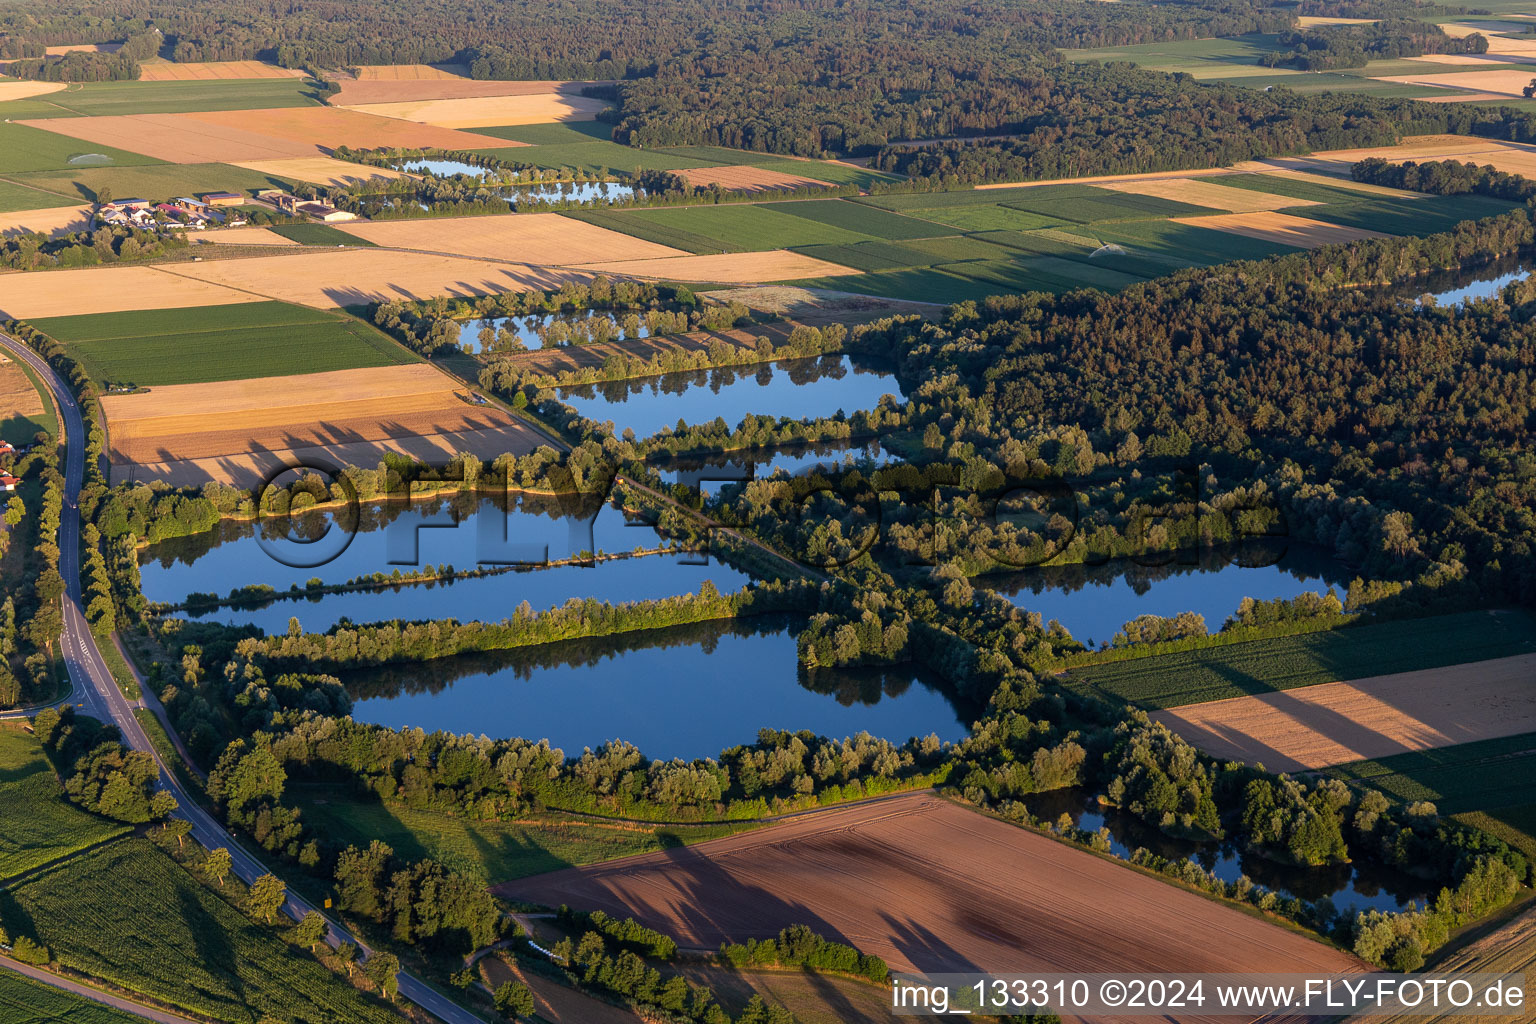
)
(531, 330)
(798, 388)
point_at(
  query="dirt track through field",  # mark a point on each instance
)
(932, 886)
(1335, 723)
(1282, 228)
(541, 238)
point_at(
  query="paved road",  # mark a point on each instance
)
(98, 695)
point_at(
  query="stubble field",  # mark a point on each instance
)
(725, 268)
(106, 290)
(1284, 229)
(157, 71)
(744, 178)
(932, 886)
(490, 111)
(541, 238)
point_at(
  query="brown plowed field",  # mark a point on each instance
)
(336, 277)
(544, 238)
(555, 1002)
(932, 886)
(265, 422)
(234, 136)
(726, 268)
(483, 111)
(1283, 228)
(106, 290)
(379, 90)
(742, 178)
(1335, 723)
(209, 71)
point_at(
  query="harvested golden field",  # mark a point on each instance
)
(59, 51)
(324, 128)
(244, 236)
(932, 886)
(1489, 29)
(1510, 157)
(243, 136)
(320, 170)
(1335, 723)
(411, 72)
(346, 416)
(544, 238)
(356, 91)
(741, 178)
(1498, 83)
(18, 398)
(209, 71)
(57, 220)
(1283, 228)
(1200, 192)
(176, 138)
(484, 111)
(14, 89)
(725, 268)
(106, 290)
(1466, 59)
(350, 277)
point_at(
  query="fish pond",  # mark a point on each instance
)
(1094, 602)
(797, 388)
(686, 692)
(511, 541)
(1468, 284)
(532, 330)
(1350, 888)
(709, 473)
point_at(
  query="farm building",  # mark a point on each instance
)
(223, 198)
(323, 212)
(128, 204)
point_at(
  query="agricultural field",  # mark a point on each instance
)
(435, 83)
(131, 916)
(57, 220)
(863, 220)
(970, 890)
(1336, 723)
(239, 431)
(32, 149)
(584, 146)
(540, 238)
(555, 1002)
(106, 290)
(24, 407)
(156, 182)
(37, 824)
(724, 268)
(491, 111)
(1356, 652)
(1410, 216)
(314, 234)
(502, 850)
(23, 1001)
(319, 170)
(1285, 229)
(191, 71)
(729, 227)
(748, 179)
(96, 99)
(154, 348)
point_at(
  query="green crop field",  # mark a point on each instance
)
(958, 248)
(1291, 188)
(1410, 216)
(37, 824)
(1046, 242)
(15, 197)
(831, 171)
(905, 203)
(629, 224)
(1185, 242)
(734, 227)
(586, 146)
(155, 182)
(100, 98)
(872, 255)
(493, 851)
(1111, 206)
(23, 148)
(318, 234)
(213, 343)
(1260, 666)
(986, 217)
(1465, 777)
(865, 220)
(130, 915)
(1045, 274)
(1197, 57)
(23, 1001)
(915, 285)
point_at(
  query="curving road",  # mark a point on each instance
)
(97, 694)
